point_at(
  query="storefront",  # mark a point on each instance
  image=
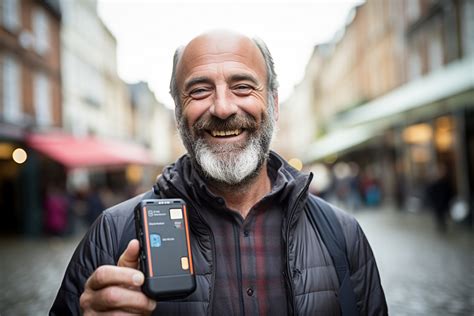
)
(437, 145)
(411, 134)
(12, 173)
(36, 163)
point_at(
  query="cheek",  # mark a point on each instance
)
(193, 110)
(254, 105)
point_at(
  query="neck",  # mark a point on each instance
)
(242, 198)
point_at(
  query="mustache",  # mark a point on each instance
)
(235, 121)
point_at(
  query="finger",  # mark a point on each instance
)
(108, 275)
(129, 257)
(119, 298)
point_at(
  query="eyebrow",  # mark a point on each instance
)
(244, 77)
(194, 81)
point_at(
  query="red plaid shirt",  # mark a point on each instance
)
(249, 266)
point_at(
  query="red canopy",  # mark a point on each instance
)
(76, 152)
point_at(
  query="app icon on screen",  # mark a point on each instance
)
(155, 240)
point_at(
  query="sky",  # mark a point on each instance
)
(148, 33)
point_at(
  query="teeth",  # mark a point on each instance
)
(226, 133)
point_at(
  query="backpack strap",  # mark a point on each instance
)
(323, 219)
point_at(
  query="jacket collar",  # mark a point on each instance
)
(180, 179)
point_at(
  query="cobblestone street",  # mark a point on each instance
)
(30, 273)
(423, 272)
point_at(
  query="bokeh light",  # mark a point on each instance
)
(19, 155)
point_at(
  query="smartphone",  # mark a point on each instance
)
(162, 229)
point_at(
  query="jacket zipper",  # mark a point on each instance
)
(289, 273)
(213, 250)
(239, 269)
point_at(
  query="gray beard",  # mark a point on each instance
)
(227, 164)
(232, 165)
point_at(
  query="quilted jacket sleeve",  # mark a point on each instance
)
(96, 248)
(365, 276)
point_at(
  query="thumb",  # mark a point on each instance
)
(129, 257)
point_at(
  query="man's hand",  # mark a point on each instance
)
(117, 288)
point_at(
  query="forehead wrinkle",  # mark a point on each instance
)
(224, 57)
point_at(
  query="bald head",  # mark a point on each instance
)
(218, 43)
(217, 47)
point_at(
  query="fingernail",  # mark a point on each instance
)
(152, 305)
(137, 279)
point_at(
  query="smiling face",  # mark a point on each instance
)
(225, 120)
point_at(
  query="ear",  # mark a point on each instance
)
(276, 109)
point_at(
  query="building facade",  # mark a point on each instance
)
(395, 95)
(152, 126)
(30, 99)
(66, 118)
(95, 99)
(97, 103)
(296, 116)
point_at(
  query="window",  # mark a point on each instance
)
(92, 85)
(41, 31)
(394, 11)
(435, 52)
(451, 35)
(10, 14)
(414, 65)
(468, 28)
(42, 100)
(11, 97)
(413, 10)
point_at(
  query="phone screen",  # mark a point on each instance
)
(165, 234)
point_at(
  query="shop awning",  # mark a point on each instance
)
(454, 79)
(82, 152)
(338, 141)
(369, 120)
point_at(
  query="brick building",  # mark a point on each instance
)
(394, 93)
(30, 99)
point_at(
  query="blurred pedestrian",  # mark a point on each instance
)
(371, 187)
(354, 198)
(56, 205)
(342, 185)
(439, 195)
(94, 203)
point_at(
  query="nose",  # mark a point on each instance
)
(223, 106)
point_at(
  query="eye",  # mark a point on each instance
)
(200, 93)
(243, 89)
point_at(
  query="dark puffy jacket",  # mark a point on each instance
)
(311, 280)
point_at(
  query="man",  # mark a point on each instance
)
(254, 251)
